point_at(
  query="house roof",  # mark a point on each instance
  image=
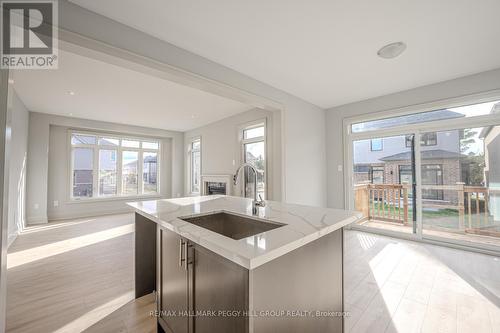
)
(425, 155)
(486, 130)
(414, 118)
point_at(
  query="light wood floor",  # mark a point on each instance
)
(393, 285)
(78, 276)
(73, 276)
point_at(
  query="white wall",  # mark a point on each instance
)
(334, 139)
(303, 123)
(48, 174)
(220, 147)
(18, 126)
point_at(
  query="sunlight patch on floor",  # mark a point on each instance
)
(95, 315)
(366, 241)
(44, 251)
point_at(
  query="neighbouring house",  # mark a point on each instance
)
(491, 139)
(388, 160)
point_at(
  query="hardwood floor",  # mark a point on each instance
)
(77, 276)
(393, 285)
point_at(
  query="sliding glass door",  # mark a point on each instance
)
(433, 175)
(383, 182)
(463, 204)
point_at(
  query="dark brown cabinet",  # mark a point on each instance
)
(199, 291)
(174, 283)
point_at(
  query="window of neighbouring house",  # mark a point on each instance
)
(405, 174)
(253, 145)
(107, 165)
(376, 144)
(432, 175)
(377, 175)
(194, 153)
(426, 139)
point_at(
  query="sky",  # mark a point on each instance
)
(472, 111)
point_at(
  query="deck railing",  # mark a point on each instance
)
(383, 202)
(390, 203)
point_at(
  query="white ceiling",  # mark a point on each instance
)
(324, 51)
(111, 93)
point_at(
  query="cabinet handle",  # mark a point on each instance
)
(181, 243)
(186, 254)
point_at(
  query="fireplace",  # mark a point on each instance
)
(215, 188)
(216, 184)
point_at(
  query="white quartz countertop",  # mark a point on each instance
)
(303, 224)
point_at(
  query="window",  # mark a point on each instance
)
(130, 182)
(376, 144)
(150, 172)
(194, 165)
(110, 166)
(107, 172)
(377, 175)
(405, 174)
(83, 162)
(432, 174)
(254, 152)
(424, 117)
(426, 139)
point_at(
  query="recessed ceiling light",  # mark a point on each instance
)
(392, 50)
(70, 114)
(71, 93)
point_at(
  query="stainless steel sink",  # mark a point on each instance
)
(232, 225)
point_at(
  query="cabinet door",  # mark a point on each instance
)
(219, 285)
(174, 282)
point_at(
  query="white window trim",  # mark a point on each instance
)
(241, 129)
(119, 150)
(189, 165)
(417, 130)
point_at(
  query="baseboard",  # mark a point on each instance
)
(91, 214)
(11, 239)
(36, 220)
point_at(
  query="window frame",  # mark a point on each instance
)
(119, 153)
(241, 135)
(190, 152)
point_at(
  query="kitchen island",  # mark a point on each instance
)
(216, 267)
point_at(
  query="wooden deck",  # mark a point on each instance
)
(465, 237)
(467, 218)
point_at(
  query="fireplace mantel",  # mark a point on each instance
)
(225, 179)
